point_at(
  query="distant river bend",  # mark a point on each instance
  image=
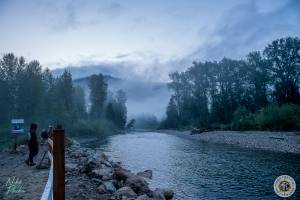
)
(199, 170)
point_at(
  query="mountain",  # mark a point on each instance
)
(143, 97)
(84, 71)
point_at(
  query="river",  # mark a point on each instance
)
(198, 170)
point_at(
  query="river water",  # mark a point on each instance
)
(198, 170)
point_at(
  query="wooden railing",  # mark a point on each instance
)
(55, 187)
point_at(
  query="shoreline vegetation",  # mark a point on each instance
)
(259, 92)
(284, 142)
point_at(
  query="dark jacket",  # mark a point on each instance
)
(33, 143)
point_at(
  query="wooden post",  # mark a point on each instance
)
(58, 164)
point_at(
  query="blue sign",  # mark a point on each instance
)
(17, 126)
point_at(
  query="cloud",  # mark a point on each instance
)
(74, 14)
(247, 27)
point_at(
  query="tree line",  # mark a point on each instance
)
(239, 94)
(36, 95)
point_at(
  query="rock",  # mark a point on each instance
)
(145, 174)
(143, 197)
(168, 193)
(163, 194)
(69, 167)
(99, 173)
(124, 192)
(118, 184)
(138, 184)
(116, 164)
(106, 163)
(102, 189)
(96, 180)
(88, 166)
(103, 157)
(157, 194)
(121, 174)
(109, 186)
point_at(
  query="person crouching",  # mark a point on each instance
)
(32, 144)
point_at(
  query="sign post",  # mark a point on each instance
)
(17, 129)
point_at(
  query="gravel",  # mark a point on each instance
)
(286, 142)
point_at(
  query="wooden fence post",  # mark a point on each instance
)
(58, 164)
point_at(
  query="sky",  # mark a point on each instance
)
(147, 38)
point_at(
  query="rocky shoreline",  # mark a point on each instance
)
(284, 142)
(91, 175)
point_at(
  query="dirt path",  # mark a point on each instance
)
(33, 179)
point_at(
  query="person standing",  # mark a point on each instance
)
(32, 144)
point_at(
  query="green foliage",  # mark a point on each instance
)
(93, 127)
(226, 93)
(98, 95)
(116, 110)
(27, 91)
(14, 186)
(243, 119)
(285, 117)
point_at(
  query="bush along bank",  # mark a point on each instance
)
(90, 174)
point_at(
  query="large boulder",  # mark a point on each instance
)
(158, 194)
(168, 193)
(145, 174)
(161, 194)
(138, 184)
(126, 192)
(109, 186)
(122, 174)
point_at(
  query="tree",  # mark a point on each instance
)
(284, 59)
(172, 120)
(64, 102)
(98, 94)
(259, 77)
(121, 110)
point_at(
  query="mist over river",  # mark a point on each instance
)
(199, 170)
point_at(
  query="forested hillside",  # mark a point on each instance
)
(29, 92)
(258, 92)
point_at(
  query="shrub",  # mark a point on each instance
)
(92, 127)
(243, 119)
(286, 117)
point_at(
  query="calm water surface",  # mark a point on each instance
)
(197, 170)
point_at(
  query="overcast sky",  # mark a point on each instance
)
(152, 38)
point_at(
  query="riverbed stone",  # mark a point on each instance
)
(70, 167)
(109, 186)
(168, 193)
(122, 174)
(145, 174)
(138, 184)
(102, 189)
(143, 197)
(162, 194)
(126, 192)
(99, 173)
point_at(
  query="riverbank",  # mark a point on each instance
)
(89, 175)
(285, 142)
(31, 181)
